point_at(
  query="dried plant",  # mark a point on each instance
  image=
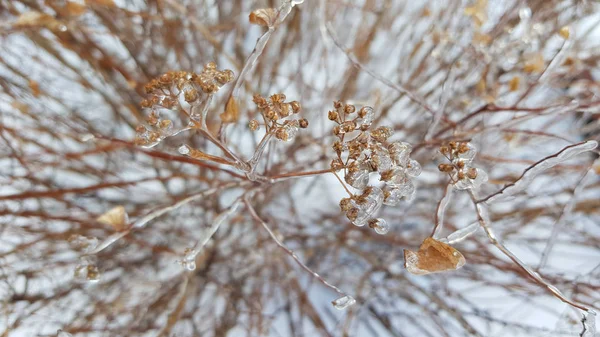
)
(159, 175)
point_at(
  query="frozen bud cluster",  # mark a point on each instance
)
(279, 116)
(87, 271)
(175, 89)
(461, 155)
(189, 259)
(363, 151)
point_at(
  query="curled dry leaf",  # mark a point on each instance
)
(433, 257)
(116, 217)
(263, 17)
(231, 113)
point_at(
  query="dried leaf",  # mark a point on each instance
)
(116, 217)
(433, 257)
(35, 88)
(232, 111)
(74, 9)
(37, 19)
(513, 85)
(105, 3)
(565, 32)
(534, 64)
(263, 17)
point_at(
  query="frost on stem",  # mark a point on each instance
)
(361, 151)
(530, 173)
(433, 257)
(463, 175)
(189, 254)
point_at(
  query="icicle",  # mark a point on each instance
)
(343, 302)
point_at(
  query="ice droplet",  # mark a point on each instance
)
(189, 259)
(400, 152)
(413, 168)
(380, 226)
(184, 149)
(343, 302)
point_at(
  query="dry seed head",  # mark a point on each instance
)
(190, 95)
(382, 133)
(303, 123)
(296, 106)
(337, 164)
(285, 110)
(349, 126)
(338, 104)
(352, 213)
(281, 134)
(345, 204)
(333, 115)
(253, 125)
(349, 109)
(165, 124)
(447, 168)
(472, 173)
(277, 98)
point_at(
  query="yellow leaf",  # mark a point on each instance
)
(513, 85)
(564, 32)
(116, 217)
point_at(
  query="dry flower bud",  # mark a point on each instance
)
(345, 204)
(349, 109)
(190, 95)
(333, 115)
(285, 110)
(281, 134)
(447, 168)
(303, 123)
(337, 164)
(472, 173)
(296, 106)
(253, 125)
(278, 98)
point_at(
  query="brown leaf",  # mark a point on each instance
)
(34, 19)
(105, 3)
(263, 17)
(35, 88)
(74, 9)
(116, 217)
(433, 257)
(232, 112)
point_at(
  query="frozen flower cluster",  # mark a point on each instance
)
(276, 113)
(363, 152)
(178, 91)
(463, 174)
